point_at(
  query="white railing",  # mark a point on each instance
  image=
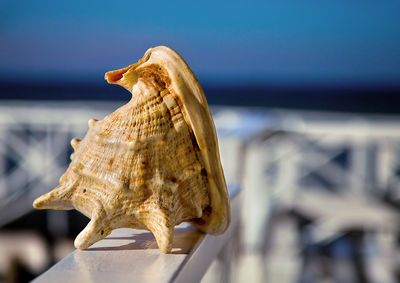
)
(34, 148)
(129, 255)
(275, 156)
(333, 168)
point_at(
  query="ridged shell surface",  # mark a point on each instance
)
(144, 166)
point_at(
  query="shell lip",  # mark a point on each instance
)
(125, 77)
(114, 76)
(196, 112)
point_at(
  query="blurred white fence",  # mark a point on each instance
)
(334, 168)
(35, 149)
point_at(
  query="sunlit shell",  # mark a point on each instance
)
(151, 164)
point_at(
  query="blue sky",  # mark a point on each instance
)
(264, 41)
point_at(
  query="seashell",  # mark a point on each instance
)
(151, 164)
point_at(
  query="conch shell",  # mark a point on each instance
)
(151, 164)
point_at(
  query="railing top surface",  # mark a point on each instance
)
(125, 255)
(129, 255)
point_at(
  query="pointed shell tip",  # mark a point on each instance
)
(91, 122)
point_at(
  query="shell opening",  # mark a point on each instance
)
(113, 77)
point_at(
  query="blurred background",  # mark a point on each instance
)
(307, 94)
